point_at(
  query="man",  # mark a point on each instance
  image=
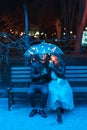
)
(40, 77)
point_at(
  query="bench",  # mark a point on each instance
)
(77, 78)
(21, 79)
(20, 82)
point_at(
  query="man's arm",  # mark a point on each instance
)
(34, 75)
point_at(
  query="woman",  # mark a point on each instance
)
(60, 92)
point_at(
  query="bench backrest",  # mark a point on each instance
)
(20, 74)
(76, 73)
(0, 80)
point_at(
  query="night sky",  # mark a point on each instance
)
(41, 13)
(38, 10)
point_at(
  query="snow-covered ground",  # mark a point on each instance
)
(17, 118)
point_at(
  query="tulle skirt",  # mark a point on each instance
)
(60, 95)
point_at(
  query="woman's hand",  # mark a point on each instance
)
(51, 64)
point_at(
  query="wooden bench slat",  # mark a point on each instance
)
(79, 89)
(20, 72)
(20, 76)
(20, 68)
(75, 89)
(19, 90)
(76, 67)
(76, 71)
(76, 75)
(21, 80)
(77, 79)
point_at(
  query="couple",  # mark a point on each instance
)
(47, 79)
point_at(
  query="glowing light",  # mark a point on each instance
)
(85, 28)
(45, 35)
(64, 33)
(37, 33)
(84, 38)
(64, 28)
(74, 36)
(10, 30)
(71, 32)
(56, 40)
(16, 32)
(42, 33)
(5, 36)
(21, 33)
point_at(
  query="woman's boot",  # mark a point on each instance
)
(59, 116)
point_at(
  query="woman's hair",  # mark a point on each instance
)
(55, 60)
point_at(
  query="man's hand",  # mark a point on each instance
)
(44, 72)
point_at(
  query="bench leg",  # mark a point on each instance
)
(9, 101)
(12, 98)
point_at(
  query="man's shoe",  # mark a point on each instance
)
(59, 119)
(33, 112)
(42, 113)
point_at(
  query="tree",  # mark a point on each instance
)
(81, 24)
(67, 17)
(27, 42)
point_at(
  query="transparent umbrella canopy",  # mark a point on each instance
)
(43, 48)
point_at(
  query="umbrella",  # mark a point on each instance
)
(43, 48)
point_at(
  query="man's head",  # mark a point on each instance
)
(42, 58)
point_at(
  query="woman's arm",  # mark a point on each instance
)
(58, 73)
(59, 70)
